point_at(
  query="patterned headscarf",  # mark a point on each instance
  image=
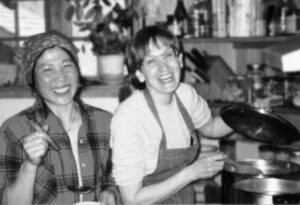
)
(35, 45)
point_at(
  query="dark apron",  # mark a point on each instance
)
(171, 161)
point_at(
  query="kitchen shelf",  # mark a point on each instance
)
(241, 42)
(86, 91)
(237, 52)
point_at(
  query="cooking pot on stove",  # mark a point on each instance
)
(263, 126)
(268, 168)
(267, 191)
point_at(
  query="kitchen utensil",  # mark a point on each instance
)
(259, 124)
(73, 188)
(269, 168)
(199, 67)
(243, 168)
(76, 189)
(267, 191)
(201, 59)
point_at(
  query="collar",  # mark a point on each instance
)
(41, 112)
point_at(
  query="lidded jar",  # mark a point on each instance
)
(255, 73)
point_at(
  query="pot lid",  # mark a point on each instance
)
(259, 125)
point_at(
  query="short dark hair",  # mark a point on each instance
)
(138, 48)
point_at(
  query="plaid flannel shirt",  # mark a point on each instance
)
(93, 148)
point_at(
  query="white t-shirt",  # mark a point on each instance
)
(136, 134)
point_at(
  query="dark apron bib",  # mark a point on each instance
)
(171, 161)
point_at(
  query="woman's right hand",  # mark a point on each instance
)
(36, 143)
(206, 166)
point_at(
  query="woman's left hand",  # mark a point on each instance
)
(107, 198)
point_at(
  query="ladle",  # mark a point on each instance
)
(75, 189)
(242, 168)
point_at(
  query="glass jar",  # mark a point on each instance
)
(199, 19)
(255, 74)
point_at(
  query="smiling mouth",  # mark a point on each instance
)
(166, 78)
(61, 90)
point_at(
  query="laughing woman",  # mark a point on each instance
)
(57, 151)
(156, 149)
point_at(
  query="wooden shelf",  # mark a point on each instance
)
(241, 42)
(15, 92)
(86, 91)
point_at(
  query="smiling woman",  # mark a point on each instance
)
(154, 141)
(58, 148)
(56, 76)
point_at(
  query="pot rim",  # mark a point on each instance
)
(254, 185)
(267, 167)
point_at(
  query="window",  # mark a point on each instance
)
(19, 19)
(22, 18)
(87, 59)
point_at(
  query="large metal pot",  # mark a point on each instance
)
(267, 191)
(263, 126)
(269, 168)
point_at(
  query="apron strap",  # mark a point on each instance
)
(150, 102)
(186, 117)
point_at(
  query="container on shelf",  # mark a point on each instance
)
(180, 19)
(255, 73)
(199, 19)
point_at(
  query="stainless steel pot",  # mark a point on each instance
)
(267, 191)
(269, 168)
(263, 126)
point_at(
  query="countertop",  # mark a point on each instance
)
(124, 90)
